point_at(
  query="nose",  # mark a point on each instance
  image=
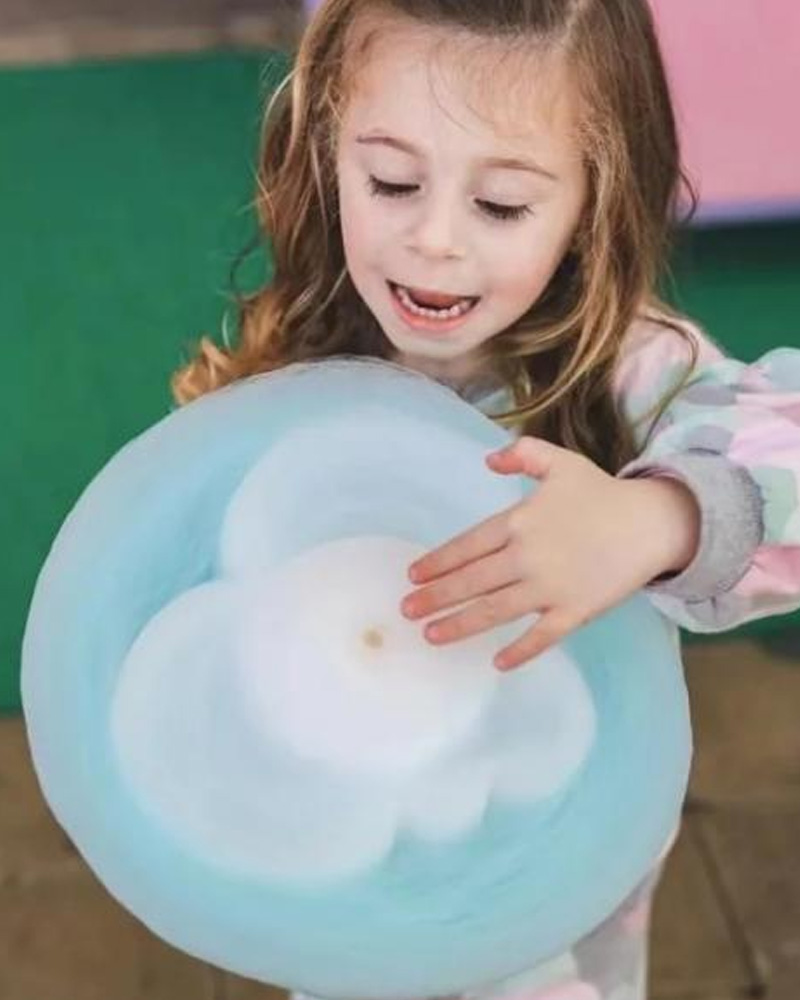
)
(434, 232)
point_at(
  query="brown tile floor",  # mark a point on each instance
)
(727, 919)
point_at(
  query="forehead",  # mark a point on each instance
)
(400, 71)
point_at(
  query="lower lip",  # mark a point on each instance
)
(427, 324)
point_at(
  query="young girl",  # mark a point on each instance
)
(482, 191)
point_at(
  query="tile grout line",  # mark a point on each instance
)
(219, 990)
(759, 985)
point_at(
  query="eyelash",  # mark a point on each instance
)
(505, 213)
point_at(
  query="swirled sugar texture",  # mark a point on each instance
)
(268, 765)
(305, 691)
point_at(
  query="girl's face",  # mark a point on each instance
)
(437, 198)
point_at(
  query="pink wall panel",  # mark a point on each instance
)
(734, 67)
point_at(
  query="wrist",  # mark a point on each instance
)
(674, 519)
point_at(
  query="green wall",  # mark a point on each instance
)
(125, 189)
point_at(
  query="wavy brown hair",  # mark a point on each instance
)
(560, 357)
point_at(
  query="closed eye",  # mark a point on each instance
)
(504, 212)
(391, 190)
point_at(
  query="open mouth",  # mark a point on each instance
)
(421, 304)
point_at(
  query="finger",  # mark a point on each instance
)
(482, 540)
(482, 577)
(549, 630)
(491, 610)
(533, 456)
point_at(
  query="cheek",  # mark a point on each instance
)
(527, 277)
(527, 264)
(348, 218)
(351, 211)
(358, 225)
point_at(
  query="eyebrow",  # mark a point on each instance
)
(504, 162)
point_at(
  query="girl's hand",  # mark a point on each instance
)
(581, 544)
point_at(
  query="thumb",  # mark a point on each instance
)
(533, 456)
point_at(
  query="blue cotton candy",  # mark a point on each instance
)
(265, 763)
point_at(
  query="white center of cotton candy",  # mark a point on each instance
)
(284, 720)
(330, 666)
(291, 724)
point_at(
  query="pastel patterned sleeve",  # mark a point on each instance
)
(732, 435)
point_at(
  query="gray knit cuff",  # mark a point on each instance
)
(731, 526)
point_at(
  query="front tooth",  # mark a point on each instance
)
(457, 310)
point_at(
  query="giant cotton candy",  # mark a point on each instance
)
(265, 762)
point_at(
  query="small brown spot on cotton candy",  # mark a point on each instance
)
(373, 637)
